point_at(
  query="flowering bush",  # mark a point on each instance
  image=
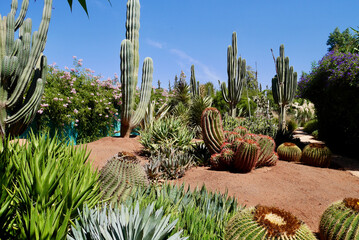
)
(76, 100)
(333, 87)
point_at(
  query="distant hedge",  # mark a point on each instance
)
(333, 86)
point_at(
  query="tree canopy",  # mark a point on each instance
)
(342, 41)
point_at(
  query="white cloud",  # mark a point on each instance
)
(202, 70)
(154, 43)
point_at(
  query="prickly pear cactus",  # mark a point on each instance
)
(341, 220)
(317, 155)
(289, 152)
(263, 222)
(120, 176)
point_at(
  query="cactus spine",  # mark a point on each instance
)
(236, 70)
(22, 67)
(284, 85)
(194, 84)
(340, 220)
(129, 55)
(263, 222)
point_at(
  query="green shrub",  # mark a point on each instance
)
(75, 99)
(333, 87)
(124, 223)
(166, 133)
(315, 134)
(311, 126)
(49, 182)
(291, 125)
(201, 214)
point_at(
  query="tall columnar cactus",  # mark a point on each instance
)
(129, 72)
(284, 85)
(22, 68)
(263, 222)
(340, 220)
(212, 131)
(194, 84)
(120, 176)
(236, 70)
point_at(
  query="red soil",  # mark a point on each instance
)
(303, 190)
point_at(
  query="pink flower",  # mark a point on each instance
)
(65, 105)
(106, 116)
(89, 108)
(76, 111)
(100, 114)
(76, 125)
(77, 120)
(66, 68)
(72, 69)
(40, 111)
(73, 91)
(55, 99)
(92, 94)
(74, 57)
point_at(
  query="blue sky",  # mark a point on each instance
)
(179, 33)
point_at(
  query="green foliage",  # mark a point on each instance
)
(48, 182)
(198, 105)
(316, 155)
(76, 98)
(333, 86)
(262, 222)
(291, 126)
(167, 133)
(124, 223)
(121, 175)
(342, 41)
(219, 103)
(170, 163)
(340, 220)
(200, 153)
(201, 214)
(289, 152)
(311, 126)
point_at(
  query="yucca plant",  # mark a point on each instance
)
(124, 223)
(50, 181)
(341, 220)
(263, 222)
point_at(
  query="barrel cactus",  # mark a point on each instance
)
(246, 156)
(341, 220)
(267, 146)
(263, 222)
(129, 72)
(120, 176)
(22, 68)
(289, 152)
(316, 154)
(284, 85)
(212, 130)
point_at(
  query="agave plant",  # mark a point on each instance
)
(123, 223)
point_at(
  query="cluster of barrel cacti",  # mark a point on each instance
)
(313, 154)
(239, 150)
(120, 176)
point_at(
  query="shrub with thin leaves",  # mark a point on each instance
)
(48, 181)
(168, 133)
(201, 214)
(124, 223)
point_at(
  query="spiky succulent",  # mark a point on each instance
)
(120, 176)
(123, 223)
(341, 220)
(316, 154)
(212, 130)
(289, 152)
(267, 146)
(215, 161)
(263, 222)
(246, 156)
(241, 130)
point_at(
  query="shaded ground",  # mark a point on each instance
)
(303, 190)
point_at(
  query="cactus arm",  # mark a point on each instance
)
(133, 31)
(194, 83)
(23, 11)
(225, 92)
(127, 82)
(146, 88)
(39, 41)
